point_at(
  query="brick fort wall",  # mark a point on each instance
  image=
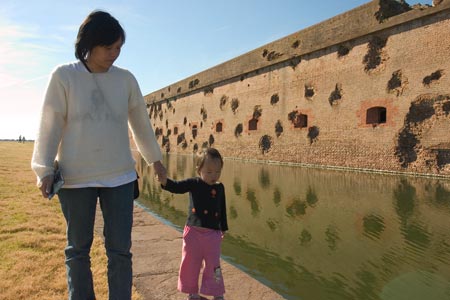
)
(367, 89)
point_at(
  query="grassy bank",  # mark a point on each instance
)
(32, 235)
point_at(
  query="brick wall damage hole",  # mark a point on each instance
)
(313, 134)
(208, 91)
(274, 99)
(390, 8)
(375, 56)
(342, 51)
(169, 105)
(442, 157)
(397, 83)
(151, 109)
(422, 114)
(234, 104)
(435, 76)
(193, 83)
(223, 101)
(336, 95)
(158, 132)
(272, 55)
(180, 138)
(165, 143)
(257, 112)
(293, 62)
(211, 140)
(204, 113)
(446, 107)
(238, 130)
(265, 143)
(278, 128)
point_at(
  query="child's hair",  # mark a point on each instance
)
(211, 153)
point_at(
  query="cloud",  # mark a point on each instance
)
(17, 54)
(24, 57)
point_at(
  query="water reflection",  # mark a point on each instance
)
(321, 234)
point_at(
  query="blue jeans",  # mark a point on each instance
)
(78, 206)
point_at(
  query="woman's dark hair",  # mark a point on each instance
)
(212, 153)
(98, 29)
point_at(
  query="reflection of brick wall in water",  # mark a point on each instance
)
(366, 89)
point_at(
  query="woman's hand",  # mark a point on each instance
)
(46, 185)
(161, 173)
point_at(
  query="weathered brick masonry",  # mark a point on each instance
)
(367, 89)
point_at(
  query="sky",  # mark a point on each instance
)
(166, 41)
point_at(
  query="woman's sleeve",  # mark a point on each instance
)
(140, 126)
(51, 125)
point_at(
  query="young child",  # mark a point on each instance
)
(204, 229)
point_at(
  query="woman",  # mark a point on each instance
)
(87, 108)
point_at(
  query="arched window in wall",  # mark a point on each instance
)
(175, 130)
(376, 115)
(194, 131)
(253, 124)
(301, 121)
(219, 127)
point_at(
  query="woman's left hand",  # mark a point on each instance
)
(160, 170)
(45, 185)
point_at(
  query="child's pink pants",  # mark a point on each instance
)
(201, 244)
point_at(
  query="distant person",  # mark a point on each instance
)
(204, 229)
(87, 109)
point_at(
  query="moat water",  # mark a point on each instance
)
(314, 234)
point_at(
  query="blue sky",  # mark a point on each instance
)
(167, 40)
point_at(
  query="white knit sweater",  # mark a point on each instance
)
(84, 124)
